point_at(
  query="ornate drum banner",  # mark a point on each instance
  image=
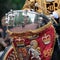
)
(32, 35)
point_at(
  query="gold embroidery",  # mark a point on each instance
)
(48, 52)
(46, 39)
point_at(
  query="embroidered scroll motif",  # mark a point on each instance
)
(48, 52)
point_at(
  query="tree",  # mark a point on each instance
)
(7, 5)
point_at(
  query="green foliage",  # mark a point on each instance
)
(6, 5)
(2, 1)
(18, 3)
(14, 4)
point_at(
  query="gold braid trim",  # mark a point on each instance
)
(16, 54)
(30, 32)
(54, 41)
(42, 28)
(7, 53)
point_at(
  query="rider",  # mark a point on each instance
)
(56, 15)
(56, 53)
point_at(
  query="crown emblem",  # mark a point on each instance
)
(19, 41)
(46, 39)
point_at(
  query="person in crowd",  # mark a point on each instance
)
(6, 40)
